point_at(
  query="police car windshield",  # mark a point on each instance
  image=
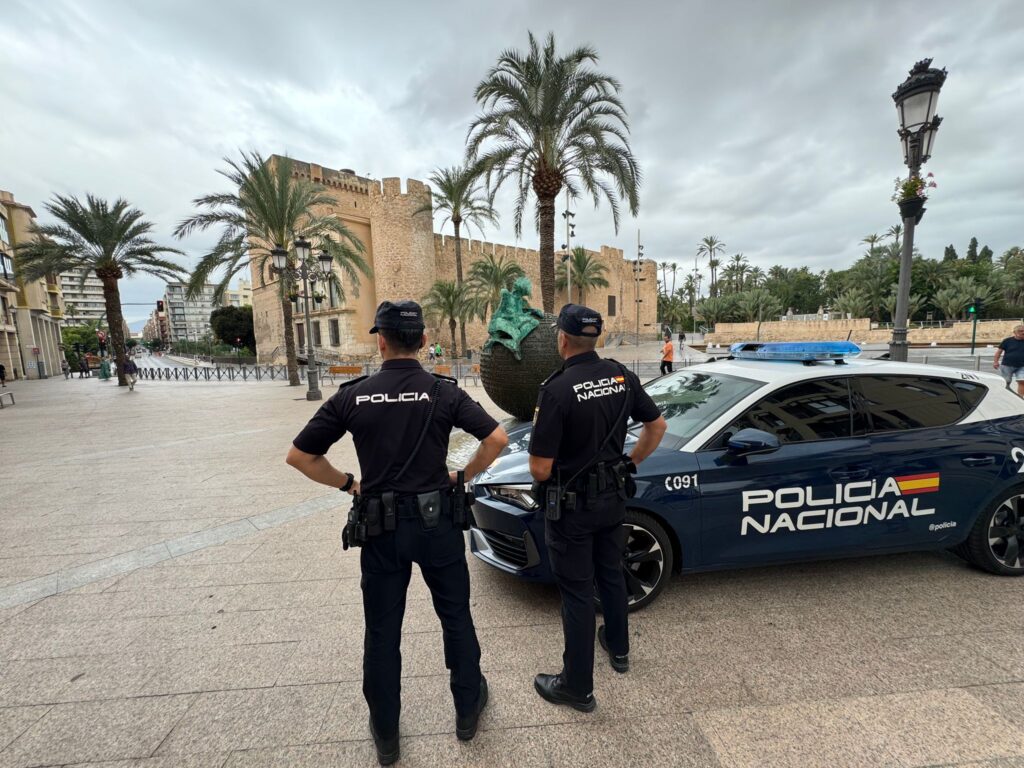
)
(690, 400)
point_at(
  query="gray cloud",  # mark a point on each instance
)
(768, 124)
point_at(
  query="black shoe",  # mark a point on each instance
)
(388, 750)
(552, 688)
(465, 727)
(619, 663)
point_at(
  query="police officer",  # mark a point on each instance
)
(576, 453)
(406, 510)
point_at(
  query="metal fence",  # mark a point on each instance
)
(462, 372)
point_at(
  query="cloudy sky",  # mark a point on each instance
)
(768, 124)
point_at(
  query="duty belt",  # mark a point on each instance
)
(373, 516)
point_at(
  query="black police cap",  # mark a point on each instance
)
(577, 320)
(398, 316)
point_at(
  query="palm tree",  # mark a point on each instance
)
(689, 289)
(457, 194)
(951, 302)
(270, 207)
(896, 233)
(714, 310)
(755, 278)
(587, 272)
(488, 276)
(675, 269)
(451, 302)
(664, 267)
(549, 122)
(709, 247)
(741, 267)
(913, 306)
(110, 240)
(758, 305)
(855, 302)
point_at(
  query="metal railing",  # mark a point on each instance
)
(461, 371)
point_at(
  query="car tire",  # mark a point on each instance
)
(648, 559)
(996, 542)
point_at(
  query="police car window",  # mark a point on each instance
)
(690, 400)
(970, 394)
(811, 410)
(909, 402)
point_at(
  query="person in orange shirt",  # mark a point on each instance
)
(667, 354)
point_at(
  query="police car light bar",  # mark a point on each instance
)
(797, 351)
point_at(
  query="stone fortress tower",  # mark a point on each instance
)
(407, 258)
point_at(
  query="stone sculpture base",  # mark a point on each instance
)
(513, 384)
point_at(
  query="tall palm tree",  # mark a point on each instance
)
(689, 289)
(664, 267)
(451, 302)
(488, 276)
(456, 192)
(110, 240)
(675, 269)
(896, 233)
(549, 122)
(709, 247)
(755, 277)
(871, 241)
(270, 207)
(587, 272)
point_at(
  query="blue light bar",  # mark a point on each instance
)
(799, 351)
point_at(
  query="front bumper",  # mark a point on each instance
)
(509, 538)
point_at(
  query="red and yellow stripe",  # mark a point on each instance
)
(911, 484)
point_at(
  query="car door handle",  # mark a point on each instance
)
(978, 461)
(850, 473)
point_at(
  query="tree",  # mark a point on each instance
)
(950, 302)
(664, 267)
(270, 207)
(757, 305)
(488, 276)
(587, 272)
(689, 289)
(675, 270)
(451, 302)
(755, 278)
(110, 240)
(709, 247)
(84, 335)
(972, 250)
(716, 309)
(896, 233)
(549, 122)
(985, 254)
(230, 323)
(914, 304)
(871, 241)
(855, 302)
(457, 194)
(950, 253)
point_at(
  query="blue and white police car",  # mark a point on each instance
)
(788, 452)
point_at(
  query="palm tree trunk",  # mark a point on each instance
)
(546, 224)
(451, 327)
(289, 342)
(112, 299)
(458, 282)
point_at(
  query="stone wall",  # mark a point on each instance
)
(859, 331)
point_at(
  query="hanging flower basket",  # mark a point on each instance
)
(912, 208)
(318, 297)
(293, 297)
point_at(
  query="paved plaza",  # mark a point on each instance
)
(172, 594)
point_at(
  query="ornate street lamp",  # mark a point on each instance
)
(309, 270)
(916, 100)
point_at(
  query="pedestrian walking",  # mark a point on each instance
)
(131, 373)
(682, 340)
(430, 353)
(1009, 359)
(65, 369)
(83, 368)
(3, 377)
(439, 353)
(666, 356)
(576, 455)
(407, 509)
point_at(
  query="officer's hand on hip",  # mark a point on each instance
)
(453, 478)
(354, 490)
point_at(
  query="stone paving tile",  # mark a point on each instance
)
(1006, 699)
(235, 720)
(48, 640)
(195, 630)
(36, 681)
(208, 760)
(221, 668)
(105, 730)
(170, 602)
(111, 676)
(668, 740)
(344, 755)
(71, 608)
(300, 594)
(14, 721)
(507, 747)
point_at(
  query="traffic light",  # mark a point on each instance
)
(159, 305)
(975, 308)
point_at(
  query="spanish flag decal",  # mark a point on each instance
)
(620, 379)
(911, 484)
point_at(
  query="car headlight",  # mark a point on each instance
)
(517, 495)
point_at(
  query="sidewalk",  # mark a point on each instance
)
(207, 617)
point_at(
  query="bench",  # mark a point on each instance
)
(472, 373)
(6, 394)
(345, 370)
(443, 370)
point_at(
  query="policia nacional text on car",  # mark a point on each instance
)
(576, 454)
(408, 508)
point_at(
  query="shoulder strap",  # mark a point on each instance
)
(423, 432)
(615, 424)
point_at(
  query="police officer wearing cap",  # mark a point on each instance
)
(576, 455)
(407, 509)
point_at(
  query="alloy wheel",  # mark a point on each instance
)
(643, 562)
(1006, 532)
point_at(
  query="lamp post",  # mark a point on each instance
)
(916, 101)
(309, 270)
(570, 232)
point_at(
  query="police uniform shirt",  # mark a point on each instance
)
(578, 406)
(385, 414)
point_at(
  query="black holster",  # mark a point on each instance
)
(354, 533)
(462, 502)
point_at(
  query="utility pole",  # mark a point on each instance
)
(637, 270)
(570, 231)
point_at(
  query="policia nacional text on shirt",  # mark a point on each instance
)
(407, 509)
(576, 455)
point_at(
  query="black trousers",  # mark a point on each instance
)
(666, 367)
(386, 562)
(585, 547)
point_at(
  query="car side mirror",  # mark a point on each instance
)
(751, 441)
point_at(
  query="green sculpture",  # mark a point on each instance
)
(514, 319)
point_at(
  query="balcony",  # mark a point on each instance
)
(52, 287)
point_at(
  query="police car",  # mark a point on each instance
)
(788, 452)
